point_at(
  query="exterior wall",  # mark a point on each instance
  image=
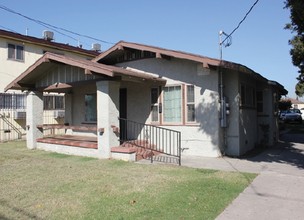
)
(248, 119)
(200, 138)
(231, 92)
(248, 130)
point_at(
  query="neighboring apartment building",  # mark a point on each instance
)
(17, 53)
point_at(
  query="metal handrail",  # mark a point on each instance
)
(157, 139)
(12, 126)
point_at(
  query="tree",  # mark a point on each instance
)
(296, 26)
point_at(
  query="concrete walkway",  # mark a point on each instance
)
(278, 190)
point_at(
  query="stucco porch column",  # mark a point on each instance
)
(107, 116)
(34, 117)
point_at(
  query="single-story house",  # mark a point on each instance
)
(162, 100)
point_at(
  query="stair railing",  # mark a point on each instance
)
(11, 125)
(157, 139)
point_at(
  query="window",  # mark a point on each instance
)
(12, 101)
(190, 102)
(90, 108)
(15, 52)
(172, 104)
(247, 96)
(154, 104)
(53, 102)
(259, 101)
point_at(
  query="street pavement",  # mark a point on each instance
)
(276, 193)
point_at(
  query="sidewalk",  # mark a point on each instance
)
(278, 191)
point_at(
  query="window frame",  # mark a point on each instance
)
(164, 106)
(12, 101)
(14, 51)
(187, 103)
(248, 96)
(184, 102)
(53, 102)
(154, 104)
(260, 101)
(86, 108)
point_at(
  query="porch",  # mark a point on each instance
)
(137, 141)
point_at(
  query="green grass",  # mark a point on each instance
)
(41, 185)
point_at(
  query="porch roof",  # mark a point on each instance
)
(28, 78)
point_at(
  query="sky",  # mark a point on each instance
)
(193, 26)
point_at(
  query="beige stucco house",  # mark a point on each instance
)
(17, 53)
(162, 100)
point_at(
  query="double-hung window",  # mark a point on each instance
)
(15, 52)
(259, 98)
(154, 105)
(172, 104)
(248, 98)
(53, 102)
(190, 104)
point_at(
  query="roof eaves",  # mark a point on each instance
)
(46, 43)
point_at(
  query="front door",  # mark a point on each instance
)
(123, 114)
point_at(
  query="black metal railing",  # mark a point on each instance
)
(156, 139)
(10, 125)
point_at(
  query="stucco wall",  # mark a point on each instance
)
(201, 138)
(248, 129)
(231, 92)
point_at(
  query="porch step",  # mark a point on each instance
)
(142, 149)
(71, 140)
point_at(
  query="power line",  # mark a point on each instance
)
(53, 27)
(229, 35)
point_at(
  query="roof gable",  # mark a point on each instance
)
(157, 51)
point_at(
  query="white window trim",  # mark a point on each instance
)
(191, 103)
(155, 105)
(181, 103)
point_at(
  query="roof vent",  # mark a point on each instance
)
(48, 35)
(96, 47)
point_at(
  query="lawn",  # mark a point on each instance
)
(42, 185)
